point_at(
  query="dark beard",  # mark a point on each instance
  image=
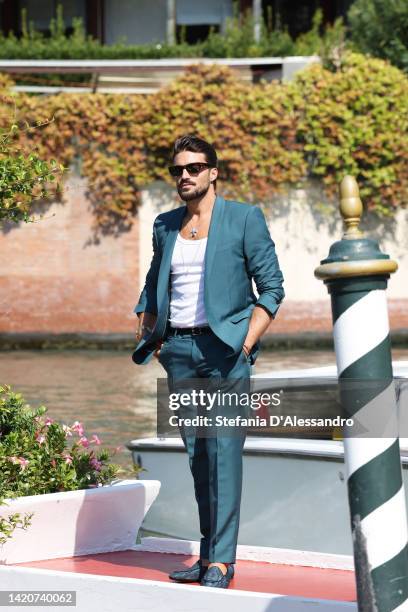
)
(192, 195)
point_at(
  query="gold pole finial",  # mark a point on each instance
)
(351, 207)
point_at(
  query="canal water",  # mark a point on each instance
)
(109, 394)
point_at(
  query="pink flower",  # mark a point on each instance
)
(40, 438)
(53, 463)
(83, 441)
(20, 460)
(95, 439)
(23, 463)
(68, 459)
(48, 422)
(78, 427)
(67, 430)
(97, 465)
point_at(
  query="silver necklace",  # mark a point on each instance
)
(193, 231)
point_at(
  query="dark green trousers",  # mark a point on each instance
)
(215, 459)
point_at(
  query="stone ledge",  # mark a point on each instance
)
(89, 341)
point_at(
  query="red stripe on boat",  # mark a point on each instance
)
(294, 580)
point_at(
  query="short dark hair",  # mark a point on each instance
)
(196, 145)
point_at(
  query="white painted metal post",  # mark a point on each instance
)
(257, 15)
(171, 22)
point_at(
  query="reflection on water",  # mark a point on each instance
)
(112, 396)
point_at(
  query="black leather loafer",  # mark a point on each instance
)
(214, 577)
(192, 574)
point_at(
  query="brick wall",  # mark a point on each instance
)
(54, 279)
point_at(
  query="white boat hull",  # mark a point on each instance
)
(294, 490)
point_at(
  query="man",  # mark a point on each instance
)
(199, 316)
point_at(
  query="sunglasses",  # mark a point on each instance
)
(192, 169)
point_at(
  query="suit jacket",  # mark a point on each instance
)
(239, 248)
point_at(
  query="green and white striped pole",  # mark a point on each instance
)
(356, 274)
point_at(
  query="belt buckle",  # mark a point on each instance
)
(196, 331)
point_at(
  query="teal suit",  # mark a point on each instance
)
(239, 249)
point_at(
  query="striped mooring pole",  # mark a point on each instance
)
(355, 273)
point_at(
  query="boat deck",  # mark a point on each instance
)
(253, 576)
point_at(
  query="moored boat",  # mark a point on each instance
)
(294, 489)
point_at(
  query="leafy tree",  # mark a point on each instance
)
(24, 176)
(380, 27)
(23, 179)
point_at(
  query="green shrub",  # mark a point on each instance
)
(380, 27)
(39, 455)
(355, 121)
(236, 41)
(252, 127)
(328, 43)
(24, 176)
(269, 135)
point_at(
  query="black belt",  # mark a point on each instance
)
(184, 331)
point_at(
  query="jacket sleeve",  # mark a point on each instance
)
(148, 297)
(262, 261)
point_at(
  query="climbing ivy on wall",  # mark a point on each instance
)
(268, 135)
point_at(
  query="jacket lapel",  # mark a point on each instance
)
(213, 233)
(164, 272)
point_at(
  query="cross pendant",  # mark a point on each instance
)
(193, 232)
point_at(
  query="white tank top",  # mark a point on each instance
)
(187, 283)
